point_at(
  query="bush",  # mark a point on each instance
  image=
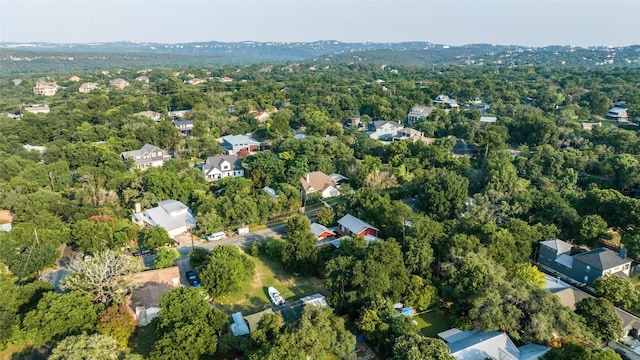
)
(254, 249)
(198, 256)
(272, 248)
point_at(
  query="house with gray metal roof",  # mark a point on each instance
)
(235, 143)
(222, 166)
(585, 268)
(481, 345)
(148, 156)
(172, 215)
(350, 225)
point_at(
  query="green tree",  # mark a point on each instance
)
(296, 224)
(528, 274)
(380, 323)
(81, 347)
(165, 257)
(60, 315)
(318, 334)
(226, 269)
(442, 197)
(592, 229)
(188, 326)
(602, 318)
(325, 216)
(618, 290)
(154, 237)
(92, 236)
(117, 323)
(573, 350)
(32, 259)
(105, 277)
(416, 347)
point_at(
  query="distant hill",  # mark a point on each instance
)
(26, 57)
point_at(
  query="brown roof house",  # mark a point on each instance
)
(145, 301)
(319, 182)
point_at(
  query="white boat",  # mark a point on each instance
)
(275, 296)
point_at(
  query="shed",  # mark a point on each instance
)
(239, 326)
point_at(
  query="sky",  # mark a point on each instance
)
(505, 22)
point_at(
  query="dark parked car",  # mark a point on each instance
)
(142, 252)
(193, 278)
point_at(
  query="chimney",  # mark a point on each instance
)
(307, 178)
(623, 253)
(137, 208)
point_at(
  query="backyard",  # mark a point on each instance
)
(435, 321)
(252, 297)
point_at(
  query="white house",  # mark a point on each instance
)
(172, 215)
(148, 156)
(318, 181)
(418, 112)
(383, 130)
(221, 166)
(618, 114)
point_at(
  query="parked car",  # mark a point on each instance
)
(193, 278)
(142, 252)
(216, 236)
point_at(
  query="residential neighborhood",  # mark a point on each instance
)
(320, 210)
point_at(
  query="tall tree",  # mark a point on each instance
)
(81, 347)
(442, 197)
(226, 269)
(602, 317)
(188, 324)
(415, 347)
(106, 277)
(60, 315)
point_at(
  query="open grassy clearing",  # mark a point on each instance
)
(252, 296)
(435, 321)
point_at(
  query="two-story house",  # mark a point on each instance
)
(235, 143)
(185, 126)
(418, 112)
(585, 267)
(446, 102)
(119, 83)
(172, 215)
(618, 114)
(221, 166)
(45, 88)
(148, 156)
(383, 130)
(87, 87)
(318, 182)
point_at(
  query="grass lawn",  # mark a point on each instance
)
(252, 296)
(433, 322)
(143, 339)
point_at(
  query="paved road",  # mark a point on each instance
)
(240, 240)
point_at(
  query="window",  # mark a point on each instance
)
(588, 267)
(586, 278)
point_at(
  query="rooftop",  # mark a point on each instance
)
(557, 244)
(240, 140)
(354, 224)
(601, 258)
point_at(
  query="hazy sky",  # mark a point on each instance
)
(522, 22)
